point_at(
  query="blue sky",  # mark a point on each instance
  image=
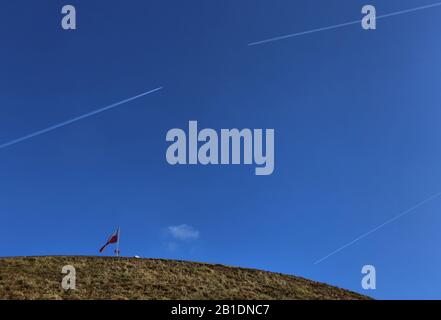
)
(356, 116)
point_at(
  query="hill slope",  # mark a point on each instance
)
(127, 278)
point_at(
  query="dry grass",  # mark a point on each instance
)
(127, 278)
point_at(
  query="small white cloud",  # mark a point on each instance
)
(183, 232)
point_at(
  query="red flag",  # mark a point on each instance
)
(113, 239)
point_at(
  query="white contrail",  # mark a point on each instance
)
(380, 226)
(344, 24)
(65, 123)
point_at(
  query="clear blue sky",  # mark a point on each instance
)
(357, 125)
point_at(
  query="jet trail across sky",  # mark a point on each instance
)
(402, 214)
(345, 24)
(84, 116)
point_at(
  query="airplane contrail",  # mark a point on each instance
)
(340, 25)
(402, 214)
(65, 123)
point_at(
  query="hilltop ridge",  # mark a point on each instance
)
(130, 278)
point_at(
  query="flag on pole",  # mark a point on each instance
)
(114, 238)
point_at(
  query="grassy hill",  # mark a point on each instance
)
(129, 278)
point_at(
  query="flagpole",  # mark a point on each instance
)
(117, 243)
